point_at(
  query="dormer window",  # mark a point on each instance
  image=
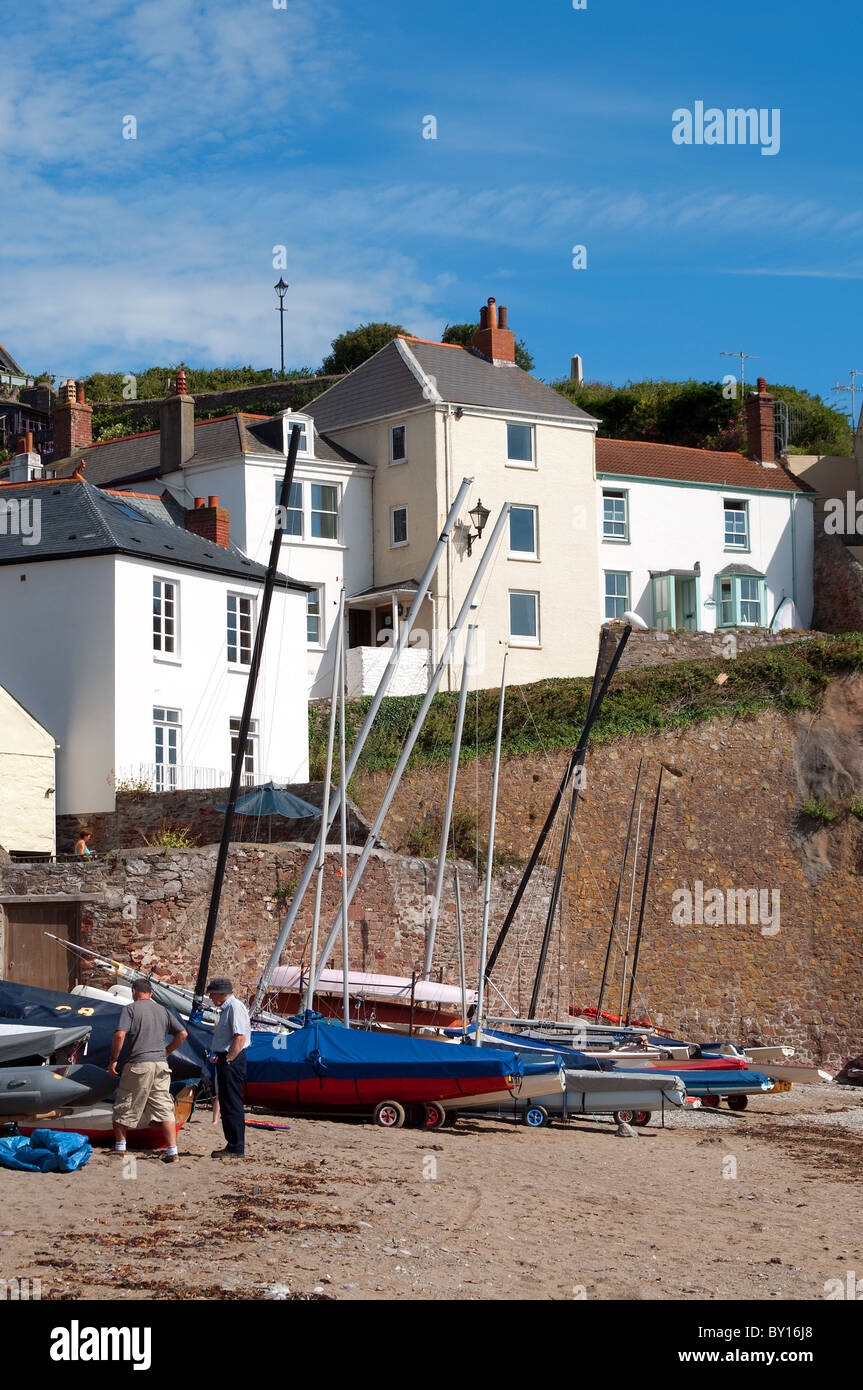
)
(305, 432)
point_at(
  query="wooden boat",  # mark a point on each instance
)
(95, 1122)
(393, 999)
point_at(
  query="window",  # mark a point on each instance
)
(750, 600)
(166, 735)
(616, 594)
(519, 443)
(294, 509)
(726, 603)
(398, 444)
(250, 758)
(290, 422)
(165, 603)
(314, 606)
(736, 528)
(615, 519)
(524, 618)
(398, 526)
(239, 630)
(325, 512)
(522, 532)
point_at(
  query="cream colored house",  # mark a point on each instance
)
(427, 415)
(26, 781)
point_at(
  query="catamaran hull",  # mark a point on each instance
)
(600, 1093)
(39, 1090)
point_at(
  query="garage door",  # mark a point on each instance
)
(31, 958)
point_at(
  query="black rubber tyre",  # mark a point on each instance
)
(389, 1114)
(737, 1102)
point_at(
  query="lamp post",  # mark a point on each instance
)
(281, 290)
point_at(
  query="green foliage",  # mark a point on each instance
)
(350, 349)
(283, 891)
(462, 334)
(855, 805)
(695, 414)
(673, 696)
(821, 810)
(170, 835)
(110, 425)
(153, 382)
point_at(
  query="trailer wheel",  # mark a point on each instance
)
(711, 1102)
(390, 1114)
(450, 1117)
(625, 1117)
(738, 1102)
(642, 1117)
(535, 1116)
(434, 1116)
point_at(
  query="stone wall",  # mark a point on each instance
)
(732, 819)
(838, 587)
(654, 648)
(139, 815)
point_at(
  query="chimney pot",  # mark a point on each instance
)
(762, 385)
(502, 316)
(79, 393)
(199, 503)
(212, 501)
(492, 312)
(483, 316)
(494, 340)
(181, 382)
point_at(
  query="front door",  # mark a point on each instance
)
(685, 603)
(663, 602)
(359, 627)
(29, 957)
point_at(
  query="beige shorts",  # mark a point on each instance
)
(144, 1093)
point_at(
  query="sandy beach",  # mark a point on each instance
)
(767, 1205)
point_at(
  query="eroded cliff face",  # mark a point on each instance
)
(779, 957)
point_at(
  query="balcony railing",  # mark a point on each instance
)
(177, 777)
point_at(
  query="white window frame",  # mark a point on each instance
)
(627, 596)
(302, 420)
(161, 721)
(394, 544)
(393, 460)
(522, 463)
(312, 510)
(524, 554)
(518, 639)
(292, 537)
(736, 505)
(161, 653)
(616, 494)
(239, 599)
(249, 775)
(321, 640)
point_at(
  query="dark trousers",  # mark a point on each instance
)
(230, 1081)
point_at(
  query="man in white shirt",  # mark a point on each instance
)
(232, 1036)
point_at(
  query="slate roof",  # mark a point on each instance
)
(136, 458)
(410, 372)
(677, 464)
(77, 519)
(8, 363)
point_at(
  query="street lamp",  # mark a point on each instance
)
(281, 290)
(479, 515)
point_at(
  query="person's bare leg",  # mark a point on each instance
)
(120, 1132)
(169, 1129)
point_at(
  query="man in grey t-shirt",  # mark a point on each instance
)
(145, 1079)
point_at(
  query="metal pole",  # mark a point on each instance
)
(647, 863)
(489, 866)
(459, 927)
(629, 919)
(619, 891)
(325, 791)
(594, 705)
(450, 795)
(343, 816)
(412, 737)
(243, 734)
(356, 750)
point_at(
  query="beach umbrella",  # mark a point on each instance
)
(270, 800)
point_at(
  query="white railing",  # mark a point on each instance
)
(175, 777)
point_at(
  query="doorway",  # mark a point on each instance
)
(28, 956)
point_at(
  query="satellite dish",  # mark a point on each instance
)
(634, 621)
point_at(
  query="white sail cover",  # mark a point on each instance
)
(292, 979)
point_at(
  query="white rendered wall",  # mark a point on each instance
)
(27, 789)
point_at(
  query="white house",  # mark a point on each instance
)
(127, 630)
(26, 781)
(692, 538)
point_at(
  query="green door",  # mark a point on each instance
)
(663, 602)
(686, 614)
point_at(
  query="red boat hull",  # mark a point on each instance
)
(348, 1095)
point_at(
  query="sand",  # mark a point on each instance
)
(765, 1205)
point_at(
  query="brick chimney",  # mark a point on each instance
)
(210, 521)
(73, 420)
(760, 436)
(493, 339)
(177, 428)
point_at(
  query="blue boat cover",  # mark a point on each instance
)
(321, 1050)
(48, 1008)
(46, 1151)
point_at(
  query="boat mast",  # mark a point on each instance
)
(243, 734)
(343, 826)
(593, 708)
(619, 891)
(450, 796)
(489, 863)
(414, 733)
(459, 926)
(629, 918)
(325, 791)
(383, 685)
(647, 864)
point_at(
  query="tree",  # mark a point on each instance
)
(462, 335)
(358, 345)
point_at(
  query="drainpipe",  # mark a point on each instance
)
(794, 547)
(447, 427)
(433, 653)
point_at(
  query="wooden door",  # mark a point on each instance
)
(359, 627)
(30, 957)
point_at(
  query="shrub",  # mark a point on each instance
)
(819, 809)
(170, 835)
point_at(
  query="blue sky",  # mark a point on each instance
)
(258, 127)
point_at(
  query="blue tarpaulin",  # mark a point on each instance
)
(46, 1151)
(270, 800)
